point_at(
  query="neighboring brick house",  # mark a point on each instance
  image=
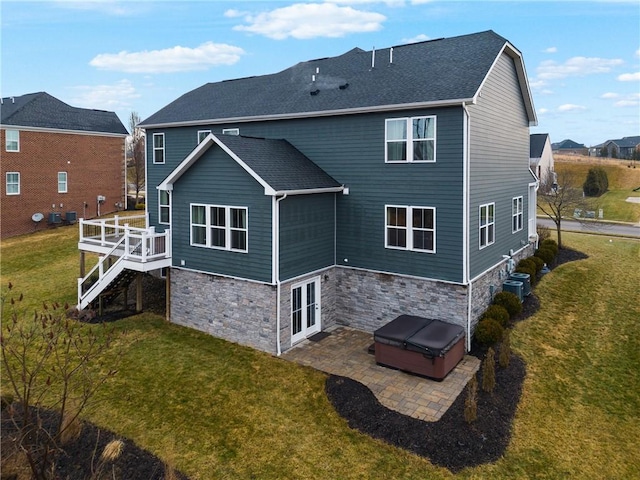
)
(59, 161)
(344, 190)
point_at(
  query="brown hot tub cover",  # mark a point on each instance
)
(419, 345)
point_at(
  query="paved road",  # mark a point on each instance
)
(606, 228)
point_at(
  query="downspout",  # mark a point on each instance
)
(466, 273)
(276, 261)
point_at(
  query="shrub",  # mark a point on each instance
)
(527, 265)
(505, 350)
(509, 301)
(538, 262)
(550, 244)
(489, 371)
(140, 206)
(471, 402)
(488, 331)
(544, 233)
(498, 313)
(546, 255)
(596, 183)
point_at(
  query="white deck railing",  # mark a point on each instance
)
(107, 231)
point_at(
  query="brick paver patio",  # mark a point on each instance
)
(345, 352)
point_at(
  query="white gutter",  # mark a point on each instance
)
(466, 167)
(276, 269)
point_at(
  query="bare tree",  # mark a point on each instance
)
(136, 170)
(559, 196)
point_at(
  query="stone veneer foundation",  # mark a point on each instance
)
(245, 312)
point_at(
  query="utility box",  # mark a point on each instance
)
(55, 218)
(71, 217)
(525, 278)
(513, 286)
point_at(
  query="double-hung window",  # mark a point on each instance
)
(62, 182)
(202, 134)
(12, 140)
(487, 224)
(410, 139)
(164, 207)
(13, 183)
(158, 148)
(219, 226)
(410, 228)
(517, 215)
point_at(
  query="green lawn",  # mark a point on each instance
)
(219, 410)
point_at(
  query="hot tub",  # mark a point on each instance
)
(418, 345)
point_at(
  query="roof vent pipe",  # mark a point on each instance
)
(313, 78)
(373, 57)
(390, 55)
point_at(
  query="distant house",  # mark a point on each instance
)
(58, 162)
(620, 148)
(541, 156)
(341, 191)
(569, 147)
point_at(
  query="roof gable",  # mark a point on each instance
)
(437, 72)
(275, 164)
(537, 142)
(41, 110)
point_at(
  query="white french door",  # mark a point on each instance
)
(305, 309)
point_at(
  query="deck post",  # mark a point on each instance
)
(139, 292)
(82, 266)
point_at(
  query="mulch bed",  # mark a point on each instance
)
(450, 442)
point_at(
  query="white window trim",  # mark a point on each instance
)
(517, 214)
(204, 134)
(6, 141)
(7, 183)
(409, 228)
(153, 146)
(483, 235)
(161, 206)
(66, 183)
(227, 227)
(409, 139)
(231, 131)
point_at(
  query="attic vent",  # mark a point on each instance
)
(343, 86)
(314, 92)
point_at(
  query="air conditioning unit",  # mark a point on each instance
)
(513, 286)
(525, 278)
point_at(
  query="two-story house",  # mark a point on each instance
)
(59, 162)
(346, 190)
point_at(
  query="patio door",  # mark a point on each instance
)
(305, 309)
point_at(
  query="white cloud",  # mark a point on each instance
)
(609, 95)
(550, 50)
(311, 20)
(629, 77)
(576, 67)
(570, 107)
(107, 7)
(390, 3)
(632, 100)
(542, 111)
(638, 53)
(175, 59)
(418, 38)
(233, 13)
(117, 96)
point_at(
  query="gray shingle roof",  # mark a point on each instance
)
(275, 164)
(536, 144)
(41, 110)
(437, 71)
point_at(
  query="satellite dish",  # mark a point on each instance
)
(37, 217)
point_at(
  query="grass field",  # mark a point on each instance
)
(220, 410)
(622, 181)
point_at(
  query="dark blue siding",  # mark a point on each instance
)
(307, 234)
(216, 179)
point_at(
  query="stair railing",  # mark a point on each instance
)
(87, 293)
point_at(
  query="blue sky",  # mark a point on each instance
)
(582, 58)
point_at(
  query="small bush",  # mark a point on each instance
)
(498, 313)
(550, 244)
(488, 331)
(505, 350)
(527, 265)
(489, 371)
(546, 255)
(538, 262)
(509, 301)
(140, 206)
(596, 183)
(471, 402)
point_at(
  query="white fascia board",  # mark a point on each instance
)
(310, 191)
(320, 113)
(62, 130)
(203, 146)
